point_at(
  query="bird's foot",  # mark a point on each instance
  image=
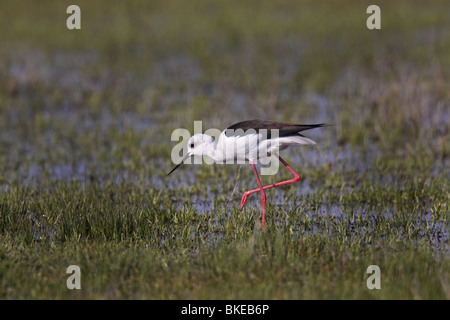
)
(244, 198)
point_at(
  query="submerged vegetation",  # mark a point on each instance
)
(86, 118)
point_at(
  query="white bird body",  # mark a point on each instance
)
(241, 148)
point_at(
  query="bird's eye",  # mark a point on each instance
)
(192, 145)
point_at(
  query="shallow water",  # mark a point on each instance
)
(74, 132)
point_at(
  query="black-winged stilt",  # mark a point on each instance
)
(249, 141)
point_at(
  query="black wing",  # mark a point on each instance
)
(284, 129)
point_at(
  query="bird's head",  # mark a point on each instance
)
(198, 145)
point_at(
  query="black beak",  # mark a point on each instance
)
(178, 165)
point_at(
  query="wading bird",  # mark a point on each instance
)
(250, 141)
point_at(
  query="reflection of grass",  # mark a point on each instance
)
(86, 118)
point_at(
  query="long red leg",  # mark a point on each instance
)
(263, 195)
(296, 179)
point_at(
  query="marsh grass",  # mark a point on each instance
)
(86, 119)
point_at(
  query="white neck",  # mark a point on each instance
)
(212, 152)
